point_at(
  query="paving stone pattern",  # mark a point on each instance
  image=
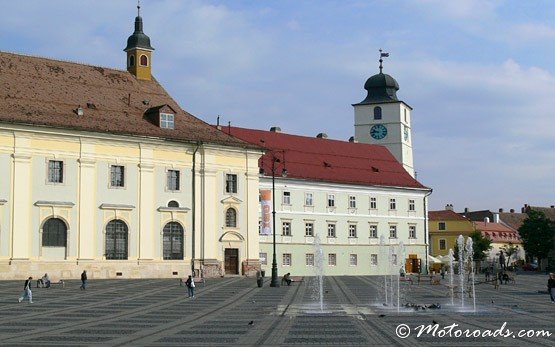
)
(235, 312)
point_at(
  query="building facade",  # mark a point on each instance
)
(103, 171)
(445, 227)
(356, 198)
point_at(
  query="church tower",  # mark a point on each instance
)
(382, 119)
(139, 51)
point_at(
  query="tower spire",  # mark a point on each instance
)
(138, 8)
(139, 50)
(382, 55)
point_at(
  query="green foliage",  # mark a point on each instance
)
(509, 251)
(480, 244)
(537, 233)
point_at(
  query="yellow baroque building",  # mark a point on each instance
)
(102, 171)
(445, 227)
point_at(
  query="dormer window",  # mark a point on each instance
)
(166, 120)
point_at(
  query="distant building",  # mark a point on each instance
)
(501, 235)
(445, 227)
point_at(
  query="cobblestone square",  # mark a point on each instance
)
(234, 311)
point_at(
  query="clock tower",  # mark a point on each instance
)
(382, 119)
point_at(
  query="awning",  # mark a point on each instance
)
(434, 260)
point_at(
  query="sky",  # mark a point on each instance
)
(479, 74)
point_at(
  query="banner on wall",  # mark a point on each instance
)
(265, 201)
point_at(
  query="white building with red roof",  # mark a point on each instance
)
(349, 194)
(501, 235)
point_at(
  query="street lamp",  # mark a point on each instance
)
(275, 282)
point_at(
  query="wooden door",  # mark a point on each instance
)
(232, 261)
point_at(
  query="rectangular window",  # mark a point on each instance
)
(263, 258)
(308, 199)
(332, 259)
(412, 231)
(331, 230)
(230, 183)
(411, 205)
(442, 244)
(373, 259)
(441, 226)
(286, 198)
(392, 231)
(374, 231)
(117, 176)
(309, 229)
(173, 180)
(392, 204)
(55, 171)
(352, 202)
(352, 230)
(286, 259)
(353, 260)
(309, 259)
(166, 120)
(286, 228)
(331, 200)
(373, 203)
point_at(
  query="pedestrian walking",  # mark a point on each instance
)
(27, 294)
(84, 280)
(551, 287)
(442, 272)
(487, 274)
(190, 283)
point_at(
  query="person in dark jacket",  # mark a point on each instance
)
(551, 287)
(190, 283)
(27, 294)
(84, 280)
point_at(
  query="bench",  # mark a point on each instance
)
(197, 281)
(52, 283)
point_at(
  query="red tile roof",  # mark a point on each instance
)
(46, 92)
(328, 160)
(498, 232)
(443, 215)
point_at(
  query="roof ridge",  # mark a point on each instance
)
(61, 60)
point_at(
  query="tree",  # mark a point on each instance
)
(537, 233)
(480, 245)
(509, 251)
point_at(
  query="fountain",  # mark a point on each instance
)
(451, 276)
(401, 257)
(383, 260)
(460, 243)
(470, 258)
(319, 268)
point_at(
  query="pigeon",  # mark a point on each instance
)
(382, 315)
(433, 321)
(251, 322)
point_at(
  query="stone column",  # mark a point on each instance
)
(87, 209)
(21, 203)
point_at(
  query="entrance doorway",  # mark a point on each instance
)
(231, 261)
(413, 264)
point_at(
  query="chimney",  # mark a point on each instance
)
(495, 217)
(275, 129)
(522, 210)
(466, 210)
(352, 139)
(500, 210)
(552, 206)
(512, 210)
(322, 136)
(486, 220)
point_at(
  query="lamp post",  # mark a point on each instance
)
(275, 282)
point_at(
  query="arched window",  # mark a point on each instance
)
(144, 60)
(131, 60)
(116, 240)
(173, 241)
(54, 233)
(377, 112)
(173, 203)
(231, 218)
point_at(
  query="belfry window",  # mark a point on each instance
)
(144, 60)
(377, 112)
(131, 60)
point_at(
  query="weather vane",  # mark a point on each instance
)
(138, 7)
(382, 55)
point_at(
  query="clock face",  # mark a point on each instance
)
(406, 133)
(378, 131)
